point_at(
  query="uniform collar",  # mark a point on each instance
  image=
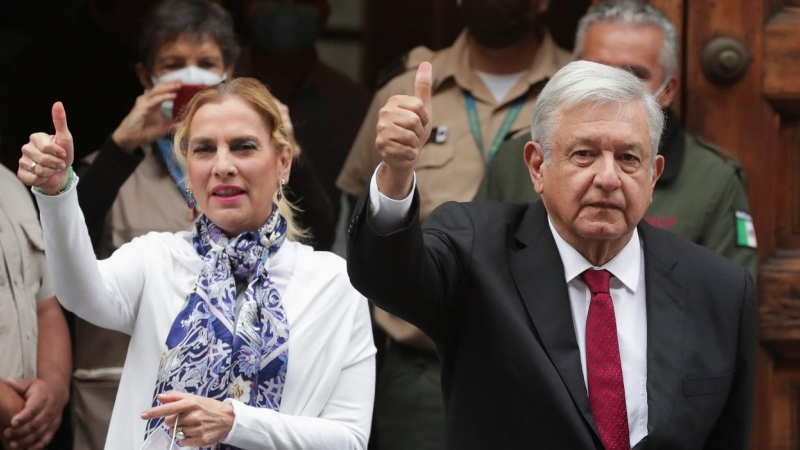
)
(454, 65)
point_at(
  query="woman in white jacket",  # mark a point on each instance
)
(241, 337)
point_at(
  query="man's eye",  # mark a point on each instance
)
(583, 154)
(629, 158)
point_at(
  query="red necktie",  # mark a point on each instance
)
(603, 367)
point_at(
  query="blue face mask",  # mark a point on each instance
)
(285, 29)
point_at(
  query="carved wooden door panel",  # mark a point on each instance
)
(756, 118)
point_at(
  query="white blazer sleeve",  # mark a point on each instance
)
(105, 293)
(345, 420)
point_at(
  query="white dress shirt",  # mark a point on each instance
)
(627, 288)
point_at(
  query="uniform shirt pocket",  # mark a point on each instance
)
(699, 386)
(435, 155)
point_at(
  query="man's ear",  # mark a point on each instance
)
(144, 76)
(658, 169)
(534, 160)
(669, 94)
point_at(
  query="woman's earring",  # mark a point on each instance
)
(190, 198)
(280, 190)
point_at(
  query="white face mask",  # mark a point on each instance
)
(187, 75)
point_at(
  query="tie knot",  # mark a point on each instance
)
(597, 280)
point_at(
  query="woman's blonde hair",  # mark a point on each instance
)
(259, 97)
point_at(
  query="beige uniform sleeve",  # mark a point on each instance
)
(38, 280)
(46, 291)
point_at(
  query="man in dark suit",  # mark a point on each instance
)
(569, 323)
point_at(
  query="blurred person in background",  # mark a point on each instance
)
(35, 354)
(702, 194)
(327, 107)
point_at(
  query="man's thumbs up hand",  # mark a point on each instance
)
(404, 126)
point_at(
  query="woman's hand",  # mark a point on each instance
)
(45, 158)
(204, 421)
(288, 126)
(144, 124)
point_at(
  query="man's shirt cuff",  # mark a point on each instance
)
(385, 214)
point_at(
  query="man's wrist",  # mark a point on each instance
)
(59, 387)
(394, 183)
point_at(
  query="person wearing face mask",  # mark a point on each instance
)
(701, 195)
(327, 107)
(484, 89)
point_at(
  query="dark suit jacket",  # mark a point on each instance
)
(486, 282)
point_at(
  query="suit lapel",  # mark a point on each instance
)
(539, 276)
(665, 332)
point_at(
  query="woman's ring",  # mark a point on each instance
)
(179, 434)
(33, 166)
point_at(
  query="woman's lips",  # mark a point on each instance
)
(227, 194)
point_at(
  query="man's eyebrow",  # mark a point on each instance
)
(576, 141)
(589, 142)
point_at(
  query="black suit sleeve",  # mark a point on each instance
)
(414, 274)
(100, 183)
(732, 430)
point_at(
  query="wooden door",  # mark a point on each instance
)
(756, 118)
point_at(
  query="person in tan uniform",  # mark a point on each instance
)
(483, 93)
(35, 358)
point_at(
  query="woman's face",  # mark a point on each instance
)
(232, 165)
(184, 52)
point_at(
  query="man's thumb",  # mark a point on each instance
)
(60, 120)
(423, 83)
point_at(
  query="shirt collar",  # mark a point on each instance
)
(624, 266)
(454, 64)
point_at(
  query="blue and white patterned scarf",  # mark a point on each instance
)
(212, 353)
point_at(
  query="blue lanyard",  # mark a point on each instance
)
(505, 127)
(176, 171)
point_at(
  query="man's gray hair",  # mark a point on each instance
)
(589, 84)
(633, 12)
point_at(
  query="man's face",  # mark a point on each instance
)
(632, 47)
(597, 185)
